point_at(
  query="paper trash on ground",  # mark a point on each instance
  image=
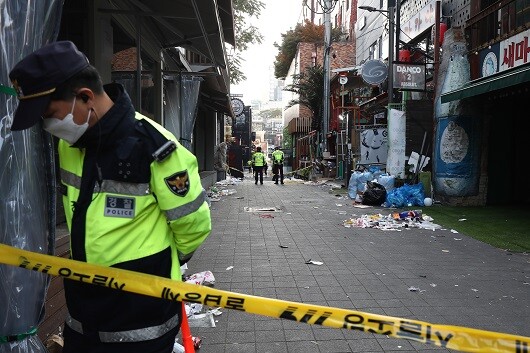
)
(204, 278)
(312, 262)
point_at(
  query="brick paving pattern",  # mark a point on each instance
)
(462, 281)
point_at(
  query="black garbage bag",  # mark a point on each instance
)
(375, 194)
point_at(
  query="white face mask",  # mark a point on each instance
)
(66, 128)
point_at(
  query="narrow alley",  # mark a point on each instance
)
(289, 242)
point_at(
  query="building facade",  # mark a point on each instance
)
(171, 58)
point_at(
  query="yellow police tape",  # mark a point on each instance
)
(285, 174)
(451, 337)
(237, 170)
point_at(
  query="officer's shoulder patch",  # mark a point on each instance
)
(178, 183)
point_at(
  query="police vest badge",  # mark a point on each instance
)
(178, 183)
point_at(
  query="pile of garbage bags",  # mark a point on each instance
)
(377, 188)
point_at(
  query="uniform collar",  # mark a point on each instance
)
(106, 131)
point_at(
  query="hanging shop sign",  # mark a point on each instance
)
(374, 72)
(514, 51)
(237, 106)
(505, 55)
(409, 77)
(418, 23)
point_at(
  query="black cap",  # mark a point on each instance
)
(36, 77)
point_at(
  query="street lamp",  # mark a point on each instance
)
(391, 51)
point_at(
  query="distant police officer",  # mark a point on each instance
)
(277, 165)
(258, 162)
(132, 196)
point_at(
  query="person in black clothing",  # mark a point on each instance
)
(132, 197)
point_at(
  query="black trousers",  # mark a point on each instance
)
(277, 170)
(258, 172)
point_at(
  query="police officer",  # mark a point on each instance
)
(277, 164)
(132, 197)
(258, 162)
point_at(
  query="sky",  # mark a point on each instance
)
(276, 18)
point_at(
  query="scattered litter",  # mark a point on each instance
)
(227, 192)
(457, 238)
(433, 285)
(474, 290)
(214, 193)
(262, 209)
(445, 250)
(178, 348)
(391, 222)
(193, 308)
(454, 231)
(200, 315)
(427, 218)
(283, 246)
(416, 289)
(227, 181)
(338, 204)
(361, 206)
(201, 320)
(317, 182)
(54, 344)
(183, 269)
(229, 268)
(312, 262)
(415, 215)
(197, 341)
(216, 311)
(204, 278)
(462, 220)
(240, 197)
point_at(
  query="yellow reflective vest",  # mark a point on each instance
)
(127, 221)
(258, 159)
(127, 209)
(277, 157)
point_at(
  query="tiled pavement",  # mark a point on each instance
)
(462, 282)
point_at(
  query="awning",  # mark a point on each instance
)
(201, 26)
(488, 84)
(217, 101)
